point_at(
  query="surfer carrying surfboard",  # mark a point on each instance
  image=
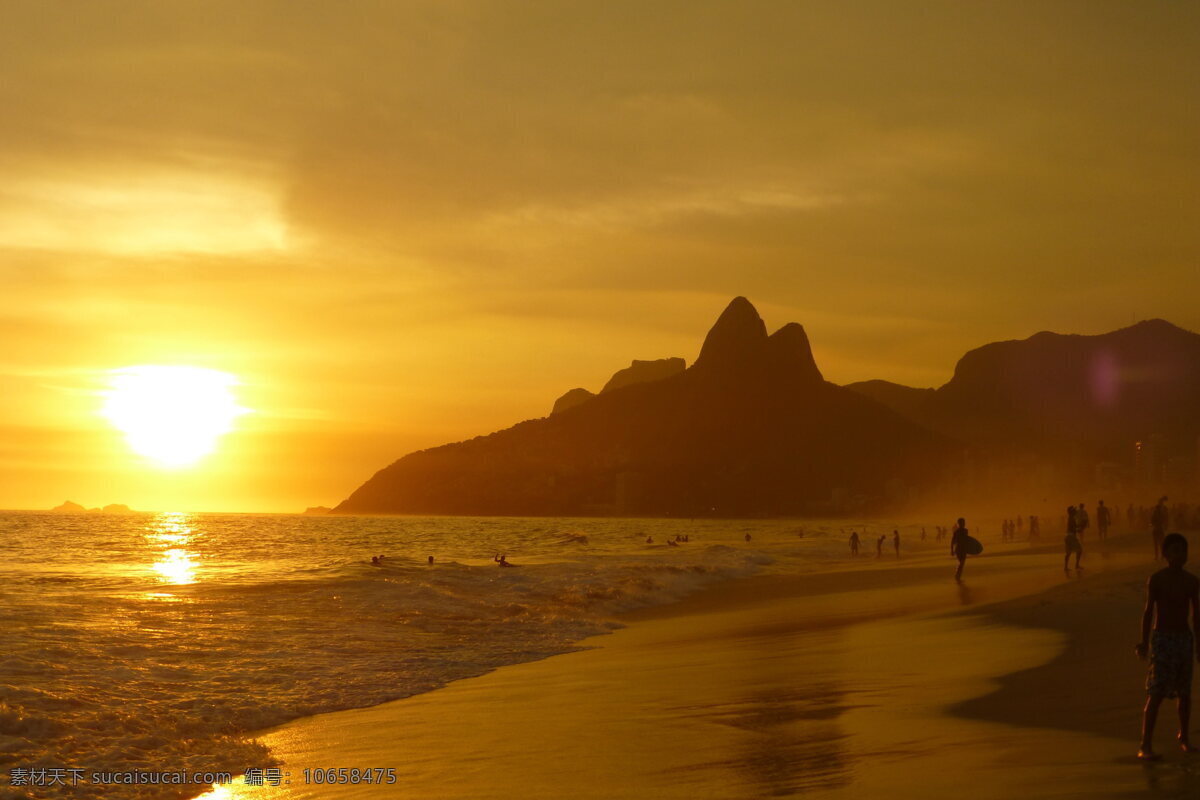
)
(963, 544)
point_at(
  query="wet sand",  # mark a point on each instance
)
(883, 680)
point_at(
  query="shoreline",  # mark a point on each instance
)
(744, 638)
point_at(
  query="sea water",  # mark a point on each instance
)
(158, 641)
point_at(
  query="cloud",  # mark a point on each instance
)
(378, 213)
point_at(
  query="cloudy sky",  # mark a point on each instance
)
(405, 223)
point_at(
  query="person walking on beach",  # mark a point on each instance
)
(1158, 526)
(958, 541)
(896, 542)
(879, 546)
(1071, 543)
(1103, 520)
(1174, 644)
(853, 543)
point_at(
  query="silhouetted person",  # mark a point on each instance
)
(1071, 543)
(649, 540)
(1103, 519)
(879, 546)
(958, 541)
(431, 561)
(747, 537)
(1081, 521)
(1171, 594)
(502, 560)
(1158, 525)
(896, 542)
(375, 561)
(853, 543)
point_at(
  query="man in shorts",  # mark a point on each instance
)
(1172, 594)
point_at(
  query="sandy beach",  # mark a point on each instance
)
(882, 679)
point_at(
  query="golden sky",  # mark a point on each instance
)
(401, 224)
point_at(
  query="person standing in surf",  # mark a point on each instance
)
(958, 546)
(1173, 646)
(1103, 520)
(1158, 526)
(1071, 543)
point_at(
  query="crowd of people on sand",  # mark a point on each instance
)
(1169, 641)
(1172, 595)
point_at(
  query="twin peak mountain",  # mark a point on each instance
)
(737, 344)
(752, 428)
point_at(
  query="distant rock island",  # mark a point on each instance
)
(74, 508)
(751, 428)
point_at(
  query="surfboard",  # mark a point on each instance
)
(971, 546)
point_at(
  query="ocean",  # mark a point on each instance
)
(159, 641)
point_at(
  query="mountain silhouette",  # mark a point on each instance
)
(636, 372)
(1091, 396)
(750, 428)
(644, 372)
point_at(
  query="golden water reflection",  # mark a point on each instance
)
(176, 567)
(168, 536)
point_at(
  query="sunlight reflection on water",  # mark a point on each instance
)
(175, 565)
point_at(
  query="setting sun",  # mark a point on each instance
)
(173, 415)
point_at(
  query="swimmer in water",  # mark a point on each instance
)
(502, 560)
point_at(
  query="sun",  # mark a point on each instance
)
(172, 415)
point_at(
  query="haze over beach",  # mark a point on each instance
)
(540, 400)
